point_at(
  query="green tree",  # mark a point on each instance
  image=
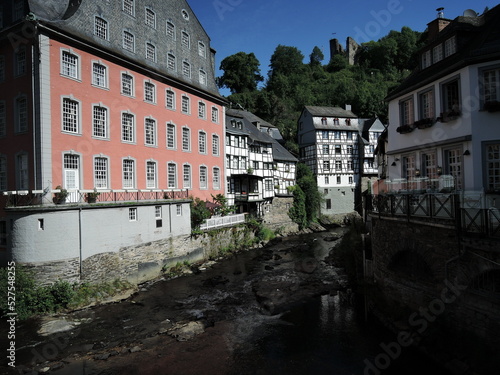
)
(298, 210)
(286, 61)
(199, 212)
(308, 184)
(241, 73)
(316, 56)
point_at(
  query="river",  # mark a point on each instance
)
(263, 311)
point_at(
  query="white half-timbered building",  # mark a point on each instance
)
(258, 167)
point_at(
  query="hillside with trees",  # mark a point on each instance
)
(293, 82)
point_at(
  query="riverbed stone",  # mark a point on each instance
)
(183, 331)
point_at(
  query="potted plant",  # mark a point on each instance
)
(404, 129)
(60, 197)
(92, 197)
(424, 123)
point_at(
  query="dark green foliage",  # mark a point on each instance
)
(298, 211)
(199, 212)
(241, 73)
(309, 186)
(222, 208)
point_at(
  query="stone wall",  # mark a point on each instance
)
(425, 279)
(277, 218)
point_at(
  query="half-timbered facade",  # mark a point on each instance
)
(258, 168)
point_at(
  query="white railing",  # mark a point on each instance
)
(222, 221)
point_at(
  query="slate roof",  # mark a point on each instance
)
(478, 40)
(248, 128)
(329, 112)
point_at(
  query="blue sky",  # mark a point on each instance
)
(259, 26)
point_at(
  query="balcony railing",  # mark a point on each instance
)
(247, 197)
(23, 198)
(474, 213)
(222, 221)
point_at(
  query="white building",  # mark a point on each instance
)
(444, 119)
(258, 167)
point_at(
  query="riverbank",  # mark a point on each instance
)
(272, 281)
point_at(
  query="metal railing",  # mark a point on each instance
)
(473, 213)
(222, 221)
(23, 198)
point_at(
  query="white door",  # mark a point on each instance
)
(72, 177)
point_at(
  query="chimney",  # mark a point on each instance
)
(436, 26)
(257, 124)
(348, 107)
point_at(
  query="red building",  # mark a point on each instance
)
(117, 96)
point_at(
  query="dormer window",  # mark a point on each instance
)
(426, 59)
(437, 53)
(323, 121)
(450, 46)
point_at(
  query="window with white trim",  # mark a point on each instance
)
(215, 145)
(437, 53)
(185, 40)
(186, 176)
(450, 46)
(3, 173)
(132, 214)
(70, 116)
(215, 114)
(202, 110)
(128, 172)
(451, 95)
(203, 77)
(170, 99)
(158, 212)
(216, 178)
(127, 84)
(69, 65)
(426, 59)
(100, 122)
(20, 61)
(150, 18)
(185, 104)
(202, 142)
(426, 104)
(186, 139)
(128, 41)
(22, 181)
(178, 209)
(129, 7)
(150, 52)
(202, 50)
(203, 177)
(429, 165)
(493, 166)
(3, 123)
(150, 131)
(21, 113)
(338, 165)
(151, 175)
(101, 172)
(99, 75)
(128, 125)
(171, 142)
(149, 92)
(186, 69)
(490, 84)
(171, 62)
(100, 28)
(406, 111)
(170, 31)
(172, 175)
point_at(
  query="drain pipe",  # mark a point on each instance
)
(80, 238)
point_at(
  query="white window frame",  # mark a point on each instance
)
(202, 142)
(129, 85)
(407, 111)
(170, 99)
(171, 133)
(150, 51)
(22, 171)
(186, 141)
(70, 120)
(202, 49)
(185, 40)
(203, 177)
(21, 113)
(101, 28)
(128, 6)
(187, 176)
(70, 69)
(426, 104)
(186, 104)
(101, 172)
(171, 62)
(127, 129)
(151, 174)
(128, 41)
(128, 173)
(202, 77)
(150, 132)
(215, 145)
(186, 69)
(490, 87)
(216, 178)
(202, 110)
(100, 123)
(215, 115)
(170, 30)
(100, 79)
(150, 17)
(149, 92)
(172, 175)
(132, 214)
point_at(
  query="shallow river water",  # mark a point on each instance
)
(325, 334)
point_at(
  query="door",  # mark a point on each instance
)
(454, 166)
(72, 177)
